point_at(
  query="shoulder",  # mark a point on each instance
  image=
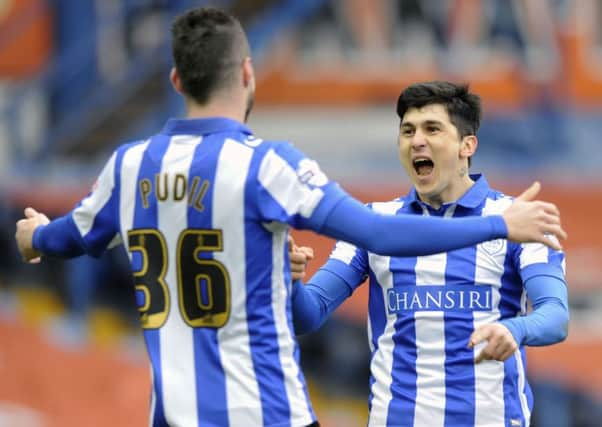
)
(125, 147)
(286, 152)
(261, 147)
(282, 148)
(496, 202)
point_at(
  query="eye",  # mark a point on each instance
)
(407, 132)
(432, 129)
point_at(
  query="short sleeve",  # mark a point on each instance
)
(292, 189)
(96, 216)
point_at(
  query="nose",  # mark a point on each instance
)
(418, 140)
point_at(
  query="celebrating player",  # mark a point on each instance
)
(203, 208)
(447, 331)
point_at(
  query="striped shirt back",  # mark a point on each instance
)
(203, 209)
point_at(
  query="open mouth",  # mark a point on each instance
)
(423, 167)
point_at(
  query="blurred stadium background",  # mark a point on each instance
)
(79, 77)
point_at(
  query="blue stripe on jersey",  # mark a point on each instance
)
(263, 337)
(147, 218)
(511, 284)
(376, 314)
(211, 384)
(376, 307)
(403, 385)
(459, 359)
(377, 310)
(403, 372)
(510, 296)
(513, 391)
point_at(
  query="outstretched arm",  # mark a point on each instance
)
(414, 235)
(36, 235)
(292, 189)
(89, 228)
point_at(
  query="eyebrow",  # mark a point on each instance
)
(425, 123)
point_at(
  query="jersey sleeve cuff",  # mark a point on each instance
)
(59, 238)
(498, 225)
(36, 238)
(516, 327)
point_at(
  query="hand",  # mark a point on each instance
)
(500, 343)
(24, 234)
(530, 220)
(299, 257)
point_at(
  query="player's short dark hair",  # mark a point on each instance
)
(463, 107)
(208, 47)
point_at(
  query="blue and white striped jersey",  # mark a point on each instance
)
(422, 311)
(203, 209)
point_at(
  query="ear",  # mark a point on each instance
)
(248, 74)
(468, 146)
(174, 77)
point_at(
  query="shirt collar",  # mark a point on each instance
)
(203, 126)
(471, 199)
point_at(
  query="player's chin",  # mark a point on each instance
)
(425, 187)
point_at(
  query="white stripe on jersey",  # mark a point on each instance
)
(489, 375)
(130, 167)
(382, 362)
(177, 350)
(300, 412)
(344, 251)
(84, 214)
(430, 333)
(282, 182)
(533, 253)
(242, 390)
(522, 379)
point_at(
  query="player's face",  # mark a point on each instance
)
(433, 154)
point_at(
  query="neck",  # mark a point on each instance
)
(450, 194)
(218, 107)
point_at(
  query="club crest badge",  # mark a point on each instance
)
(494, 247)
